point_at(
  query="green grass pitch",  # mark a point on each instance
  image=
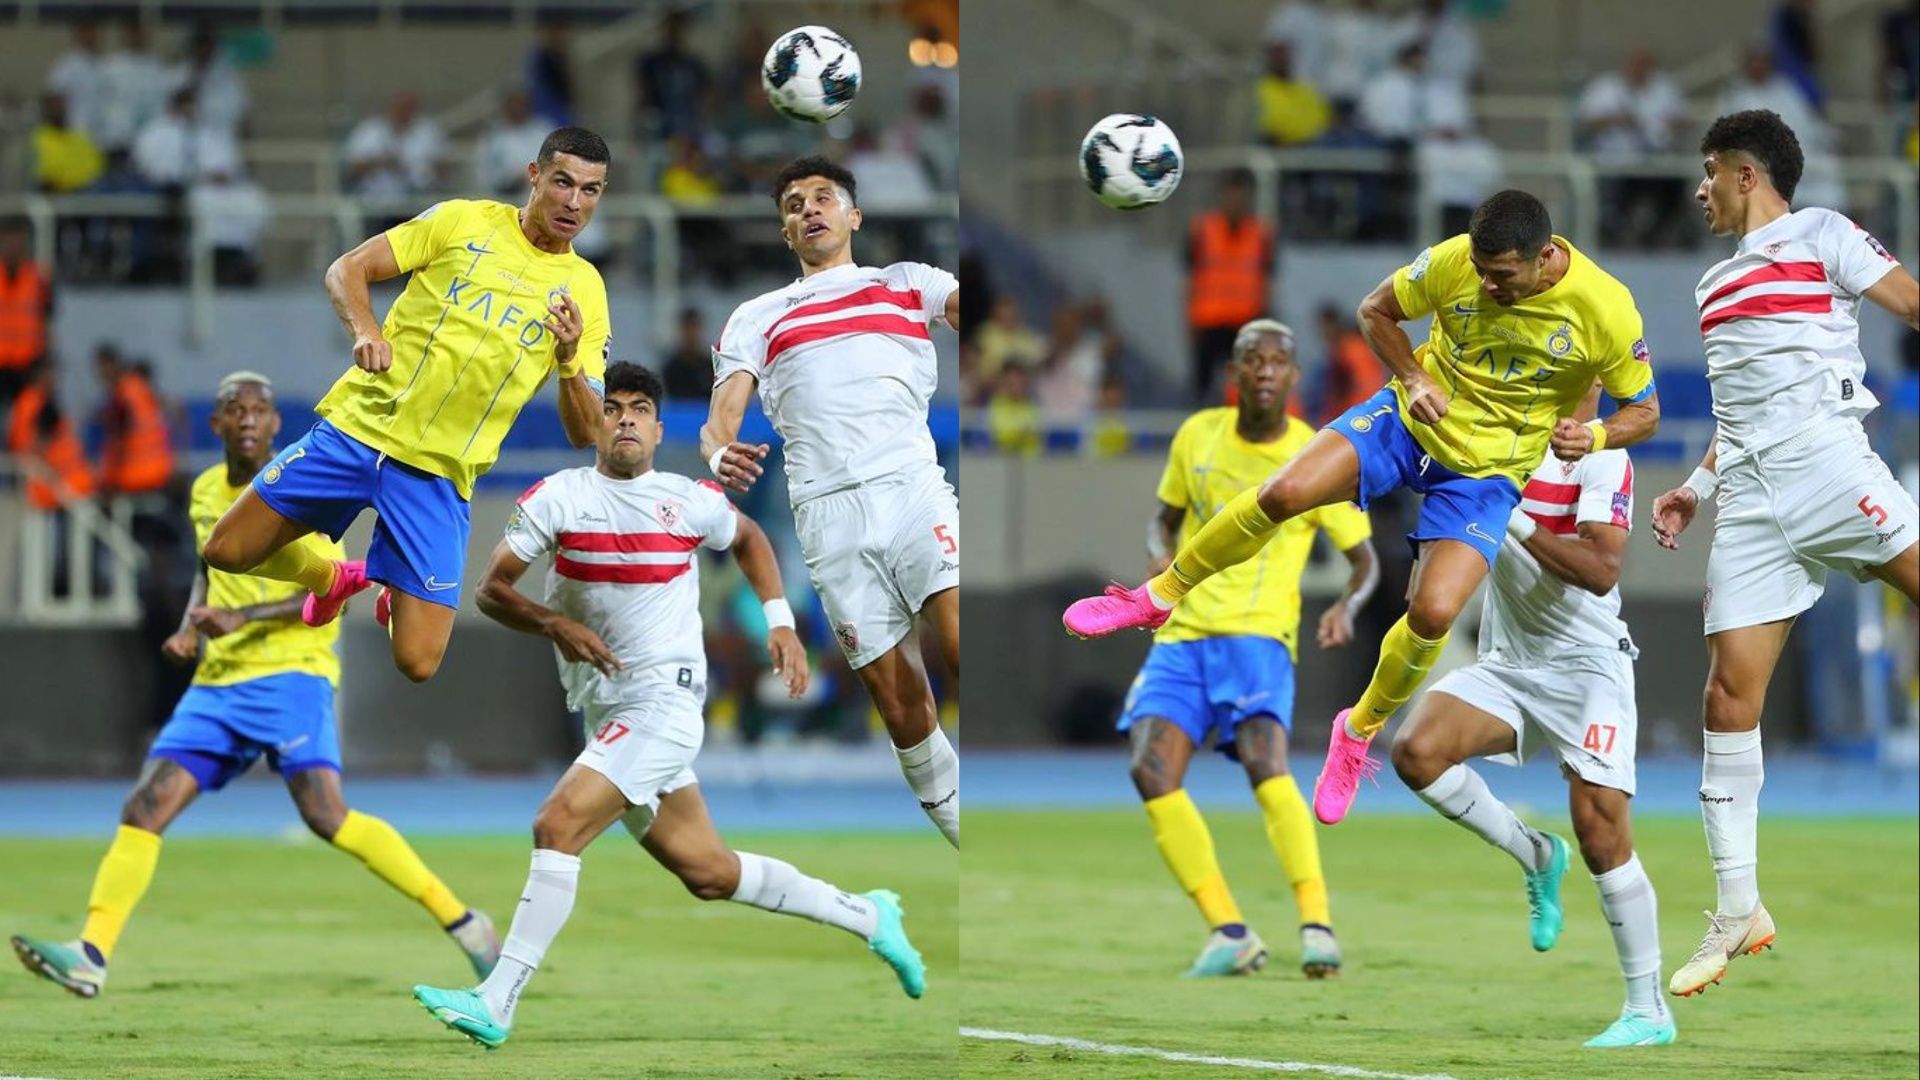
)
(1073, 927)
(261, 959)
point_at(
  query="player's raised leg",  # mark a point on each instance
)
(942, 613)
(420, 630)
(1161, 752)
(254, 538)
(164, 790)
(380, 847)
(680, 835)
(1261, 742)
(1740, 664)
(905, 701)
(1603, 827)
(419, 551)
(1430, 753)
(1902, 572)
(1326, 471)
(579, 808)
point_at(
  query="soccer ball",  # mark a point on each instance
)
(1131, 160)
(811, 74)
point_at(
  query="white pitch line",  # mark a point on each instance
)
(1255, 1064)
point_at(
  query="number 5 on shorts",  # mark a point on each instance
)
(1594, 742)
(947, 543)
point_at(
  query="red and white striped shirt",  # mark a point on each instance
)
(1779, 323)
(1530, 616)
(846, 368)
(625, 565)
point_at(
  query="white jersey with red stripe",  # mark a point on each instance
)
(845, 363)
(1532, 617)
(1780, 328)
(625, 566)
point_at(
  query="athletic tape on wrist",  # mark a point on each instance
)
(779, 613)
(713, 463)
(1599, 429)
(1703, 483)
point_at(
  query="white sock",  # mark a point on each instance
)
(1461, 796)
(544, 906)
(933, 772)
(772, 885)
(1627, 900)
(1730, 783)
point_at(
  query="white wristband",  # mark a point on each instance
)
(713, 463)
(1703, 483)
(779, 613)
(1521, 525)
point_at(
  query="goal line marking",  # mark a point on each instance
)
(1255, 1064)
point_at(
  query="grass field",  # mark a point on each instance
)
(253, 958)
(1073, 927)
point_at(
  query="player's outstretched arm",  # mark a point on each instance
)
(347, 281)
(1899, 293)
(1634, 422)
(183, 645)
(1363, 576)
(219, 622)
(952, 314)
(754, 553)
(735, 464)
(1380, 316)
(1673, 511)
(1590, 559)
(499, 599)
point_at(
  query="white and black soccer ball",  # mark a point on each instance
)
(811, 74)
(1131, 160)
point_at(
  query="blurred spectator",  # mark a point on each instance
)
(1301, 25)
(688, 372)
(1759, 86)
(689, 178)
(64, 157)
(1012, 419)
(550, 74)
(1453, 45)
(79, 76)
(26, 308)
(136, 453)
(1627, 116)
(1079, 355)
(1291, 110)
(396, 153)
(43, 441)
(1361, 43)
(927, 132)
(508, 146)
(135, 87)
(671, 84)
(1004, 338)
(1352, 374)
(1458, 166)
(892, 173)
(218, 91)
(234, 211)
(177, 148)
(1230, 260)
(1396, 100)
(1793, 44)
(1899, 75)
(1110, 435)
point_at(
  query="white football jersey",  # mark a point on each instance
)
(1780, 328)
(845, 364)
(625, 565)
(1530, 616)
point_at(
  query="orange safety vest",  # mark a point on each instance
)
(139, 456)
(59, 452)
(1227, 285)
(23, 315)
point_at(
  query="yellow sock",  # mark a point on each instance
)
(118, 885)
(1183, 839)
(304, 563)
(1232, 536)
(1405, 659)
(388, 855)
(1290, 831)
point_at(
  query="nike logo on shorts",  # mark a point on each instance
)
(1473, 529)
(435, 585)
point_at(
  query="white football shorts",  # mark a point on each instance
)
(876, 552)
(1822, 500)
(645, 747)
(1581, 705)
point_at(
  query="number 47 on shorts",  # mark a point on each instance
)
(1600, 738)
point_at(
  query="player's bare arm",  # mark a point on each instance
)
(1363, 576)
(754, 553)
(500, 599)
(1590, 559)
(735, 464)
(952, 314)
(579, 404)
(347, 286)
(183, 645)
(1673, 511)
(1163, 532)
(1380, 316)
(1898, 293)
(1634, 422)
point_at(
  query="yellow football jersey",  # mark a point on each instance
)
(1208, 465)
(470, 347)
(258, 649)
(1510, 372)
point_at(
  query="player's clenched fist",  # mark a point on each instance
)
(737, 465)
(1425, 401)
(372, 353)
(789, 659)
(183, 646)
(1572, 440)
(1672, 513)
